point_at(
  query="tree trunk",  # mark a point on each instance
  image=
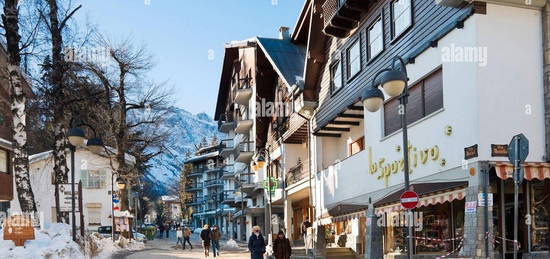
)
(58, 69)
(18, 108)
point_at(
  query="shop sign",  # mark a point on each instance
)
(417, 157)
(499, 150)
(18, 228)
(470, 207)
(470, 152)
(481, 199)
(65, 198)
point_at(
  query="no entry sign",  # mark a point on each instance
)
(409, 200)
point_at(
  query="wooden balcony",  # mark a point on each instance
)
(342, 16)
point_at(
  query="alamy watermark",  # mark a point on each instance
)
(87, 55)
(401, 219)
(464, 54)
(273, 109)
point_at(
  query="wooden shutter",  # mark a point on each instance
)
(392, 120)
(433, 92)
(357, 146)
(415, 108)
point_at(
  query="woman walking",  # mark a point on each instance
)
(187, 237)
(281, 247)
(179, 235)
(256, 244)
(206, 238)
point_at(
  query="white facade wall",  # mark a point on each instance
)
(41, 180)
(484, 105)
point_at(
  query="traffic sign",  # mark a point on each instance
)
(522, 148)
(409, 200)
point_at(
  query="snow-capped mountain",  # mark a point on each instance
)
(187, 131)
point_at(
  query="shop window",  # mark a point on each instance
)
(3, 161)
(356, 146)
(375, 35)
(401, 11)
(425, 98)
(335, 77)
(354, 58)
(540, 215)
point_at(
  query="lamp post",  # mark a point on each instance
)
(76, 135)
(121, 184)
(259, 163)
(394, 82)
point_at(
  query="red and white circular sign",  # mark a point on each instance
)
(409, 200)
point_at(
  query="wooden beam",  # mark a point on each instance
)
(352, 123)
(355, 108)
(346, 115)
(327, 135)
(336, 129)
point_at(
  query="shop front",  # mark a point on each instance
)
(438, 220)
(345, 226)
(534, 210)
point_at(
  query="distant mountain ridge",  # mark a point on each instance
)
(187, 131)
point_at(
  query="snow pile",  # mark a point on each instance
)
(230, 244)
(103, 248)
(54, 241)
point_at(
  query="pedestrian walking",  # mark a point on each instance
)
(167, 229)
(161, 230)
(256, 244)
(187, 237)
(216, 236)
(281, 246)
(206, 238)
(305, 225)
(179, 235)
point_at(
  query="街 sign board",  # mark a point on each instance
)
(65, 197)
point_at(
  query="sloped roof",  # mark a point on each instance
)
(201, 157)
(287, 58)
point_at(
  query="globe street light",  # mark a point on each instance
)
(394, 82)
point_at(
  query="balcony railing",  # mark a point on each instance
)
(342, 16)
(297, 173)
(194, 187)
(213, 182)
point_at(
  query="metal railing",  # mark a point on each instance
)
(194, 186)
(228, 143)
(297, 173)
(213, 182)
(330, 8)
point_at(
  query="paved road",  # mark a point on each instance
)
(166, 248)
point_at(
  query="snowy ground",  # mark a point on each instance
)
(55, 242)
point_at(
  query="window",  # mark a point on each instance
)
(356, 146)
(94, 216)
(375, 37)
(93, 179)
(3, 161)
(401, 16)
(336, 76)
(354, 58)
(425, 98)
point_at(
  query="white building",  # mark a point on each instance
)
(93, 170)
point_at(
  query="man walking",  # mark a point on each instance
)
(216, 235)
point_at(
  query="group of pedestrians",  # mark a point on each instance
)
(184, 236)
(257, 244)
(211, 237)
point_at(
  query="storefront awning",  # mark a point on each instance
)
(430, 194)
(533, 170)
(342, 212)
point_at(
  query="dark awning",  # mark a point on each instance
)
(422, 189)
(343, 209)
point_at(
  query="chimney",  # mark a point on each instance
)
(284, 33)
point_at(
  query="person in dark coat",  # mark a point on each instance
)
(256, 244)
(161, 230)
(206, 237)
(281, 246)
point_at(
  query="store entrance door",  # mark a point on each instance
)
(509, 218)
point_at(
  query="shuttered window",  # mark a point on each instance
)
(425, 98)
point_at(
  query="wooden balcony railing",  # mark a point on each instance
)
(297, 173)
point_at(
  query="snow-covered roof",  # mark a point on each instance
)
(47, 154)
(202, 157)
(166, 198)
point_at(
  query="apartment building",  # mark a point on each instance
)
(211, 194)
(475, 78)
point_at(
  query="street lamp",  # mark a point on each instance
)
(394, 82)
(260, 163)
(76, 137)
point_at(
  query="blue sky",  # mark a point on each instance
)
(181, 33)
